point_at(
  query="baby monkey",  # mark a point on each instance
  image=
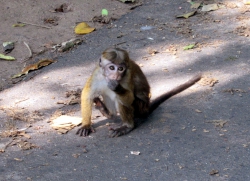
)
(124, 89)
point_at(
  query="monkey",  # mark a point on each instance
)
(124, 90)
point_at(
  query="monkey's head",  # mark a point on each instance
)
(114, 63)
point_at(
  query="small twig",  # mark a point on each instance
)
(34, 25)
(30, 52)
(119, 43)
(21, 101)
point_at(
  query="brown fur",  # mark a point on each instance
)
(131, 92)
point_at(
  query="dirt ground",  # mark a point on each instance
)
(200, 134)
(54, 28)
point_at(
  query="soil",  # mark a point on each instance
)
(41, 39)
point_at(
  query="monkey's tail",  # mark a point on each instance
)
(159, 100)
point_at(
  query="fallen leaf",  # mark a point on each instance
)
(65, 123)
(51, 20)
(5, 57)
(83, 28)
(187, 15)
(165, 69)
(242, 31)
(69, 44)
(127, 1)
(198, 111)
(105, 12)
(209, 7)
(25, 145)
(218, 123)
(18, 159)
(8, 47)
(62, 8)
(152, 51)
(188, 47)
(205, 131)
(195, 5)
(103, 19)
(76, 155)
(208, 81)
(19, 25)
(232, 91)
(213, 172)
(39, 64)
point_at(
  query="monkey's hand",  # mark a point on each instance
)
(85, 131)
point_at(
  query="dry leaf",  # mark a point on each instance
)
(208, 81)
(152, 51)
(41, 63)
(65, 123)
(213, 172)
(165, 69)
(195, 5)
(63, 8)
(25, 145)
(83, 28)
(103, 19)
(187, 15)
(232, 91)
(18, 159)
(198, 111)
(205, 131)
(127, 1)
(65, 46)
(76, 155)
(218, 123)
(209, 7)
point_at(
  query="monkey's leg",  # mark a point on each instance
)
(101, 107)
(127, 116)
(86, 109)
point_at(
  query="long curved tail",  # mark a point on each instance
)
(159, 100)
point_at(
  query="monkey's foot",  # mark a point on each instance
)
(85, 131)
(119, 131)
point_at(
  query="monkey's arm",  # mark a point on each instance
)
(86, 109)
(126, 110)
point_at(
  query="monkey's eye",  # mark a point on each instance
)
(120, 68)
(112, 68)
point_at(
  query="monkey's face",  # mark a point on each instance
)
(112, 71)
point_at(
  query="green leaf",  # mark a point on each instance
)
(4, 57)
(18, 25)
(188, 47)
(105, 12)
